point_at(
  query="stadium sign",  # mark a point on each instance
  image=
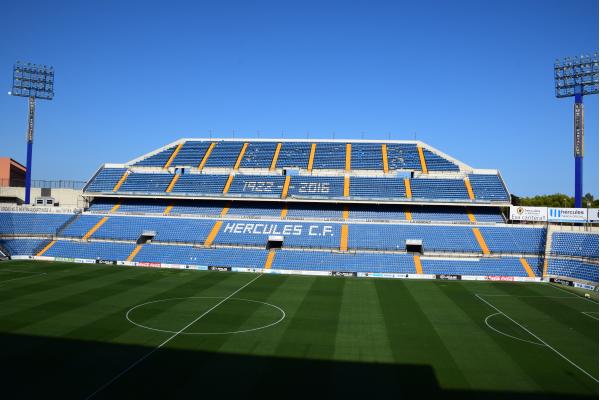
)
(519, 213)
(567, 215)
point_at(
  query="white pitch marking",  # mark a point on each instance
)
(591, 314)
(101, 388)
(207, 333)
(23, 277)
(538, 338)
(574, 295)
(20, 272)
(506, 334)
(526, 296)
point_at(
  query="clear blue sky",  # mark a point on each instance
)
(472, 78)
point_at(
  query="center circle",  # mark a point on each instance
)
(205, 315)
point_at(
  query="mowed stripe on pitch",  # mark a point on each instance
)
(412, 337)
(470, 344)
(361, 332)
(558, 322)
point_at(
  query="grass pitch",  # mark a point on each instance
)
(96, 331)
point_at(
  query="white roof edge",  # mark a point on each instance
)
(461, 165)
(293, 140)
(485, 171)
(153, 152)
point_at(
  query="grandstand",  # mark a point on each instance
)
(368, 208)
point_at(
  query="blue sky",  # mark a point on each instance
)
(472, 78)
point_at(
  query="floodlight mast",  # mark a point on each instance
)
(34, 82)
(577, 77)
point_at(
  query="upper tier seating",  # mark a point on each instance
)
(328, 155)
(403, 156)
(294, 155)
(146, 183)
(157, 160)
(224, 154)
(438, 163)
(190, 154)
(367, 156)
(575, 244)
(105, 180)
(488, 187)
(258, 155)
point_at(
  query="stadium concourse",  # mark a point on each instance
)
(327, 207)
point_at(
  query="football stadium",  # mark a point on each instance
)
(222, 266)
(276, 260)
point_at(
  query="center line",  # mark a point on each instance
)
(107, 384)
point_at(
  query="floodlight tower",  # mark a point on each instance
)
(35, 82)
(577, 77)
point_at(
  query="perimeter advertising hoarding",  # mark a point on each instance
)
(554, 214)
(520, 213)
(579, 215)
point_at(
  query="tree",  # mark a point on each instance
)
(553, 200)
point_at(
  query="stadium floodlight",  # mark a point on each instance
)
(577, 77)
(33, 81)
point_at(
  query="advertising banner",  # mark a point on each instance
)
(223, 269)
(593, 214)
(520, 213)
(577, 215)
(342, 273)
(560, 281)
(448, 277)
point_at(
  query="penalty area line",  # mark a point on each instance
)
(538, 338)
(145, 356)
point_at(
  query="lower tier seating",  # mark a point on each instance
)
(291, 259)
(253, 232)
(22, 247)
(509, 266)
(573, 269)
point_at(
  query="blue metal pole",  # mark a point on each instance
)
(578, 149)
(28, 173)
(29, 150)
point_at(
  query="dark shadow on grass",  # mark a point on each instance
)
(43, 367)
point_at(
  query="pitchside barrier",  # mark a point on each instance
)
(303, 272)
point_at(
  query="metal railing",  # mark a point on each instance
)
(53, 184)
